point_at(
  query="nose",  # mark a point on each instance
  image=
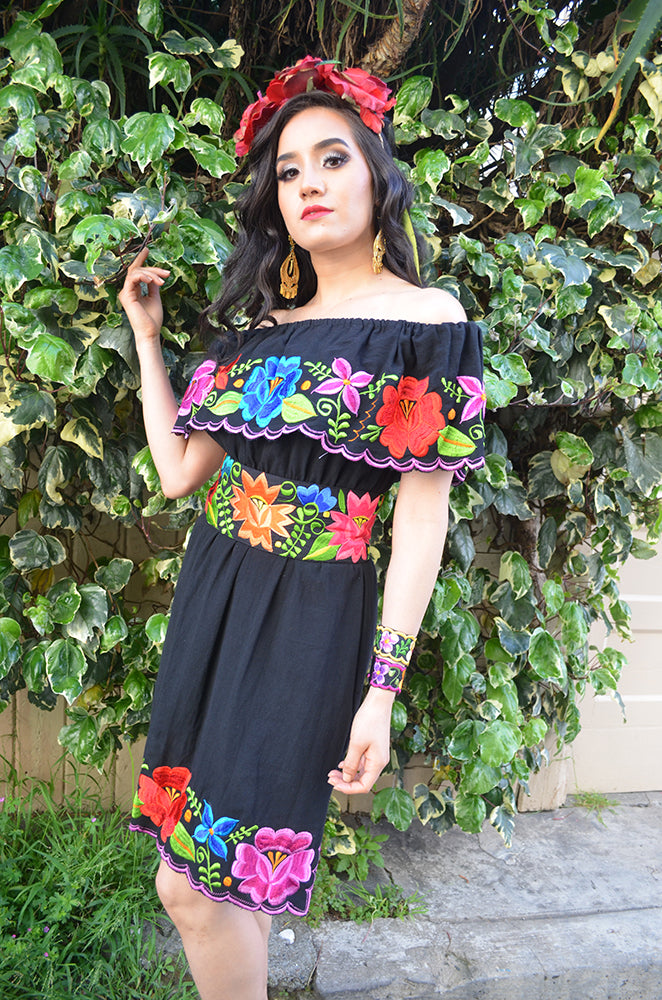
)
(311, 182)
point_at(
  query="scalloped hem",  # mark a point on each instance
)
(227, 897)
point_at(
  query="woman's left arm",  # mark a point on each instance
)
(420, 520)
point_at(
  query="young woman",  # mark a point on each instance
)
(310, 414)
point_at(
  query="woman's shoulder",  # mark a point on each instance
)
(406, 302)
(434, 305)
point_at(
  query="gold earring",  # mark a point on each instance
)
(378, 251)
(289, 274)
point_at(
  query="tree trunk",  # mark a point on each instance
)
(388, 53)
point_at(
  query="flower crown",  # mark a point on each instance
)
(367, 93)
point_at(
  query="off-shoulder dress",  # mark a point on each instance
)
(275, 609)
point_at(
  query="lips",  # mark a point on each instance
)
(315, 212)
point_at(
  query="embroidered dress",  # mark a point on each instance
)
(275, 609)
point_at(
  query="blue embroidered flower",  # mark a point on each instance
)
(313, 494)
(212, 831)
(267, 386)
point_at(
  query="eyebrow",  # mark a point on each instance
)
(318, 145)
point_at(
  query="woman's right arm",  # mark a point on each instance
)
(183, 464)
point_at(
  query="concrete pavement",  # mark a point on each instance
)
(572, 911)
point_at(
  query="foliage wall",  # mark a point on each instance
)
(547, 233)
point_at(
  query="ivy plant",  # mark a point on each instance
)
(551, 241)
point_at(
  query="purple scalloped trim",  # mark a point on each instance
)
(459, 468)
(227, 897)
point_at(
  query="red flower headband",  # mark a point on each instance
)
(367, 93)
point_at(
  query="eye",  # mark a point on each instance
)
(335, 160)
(286, 173)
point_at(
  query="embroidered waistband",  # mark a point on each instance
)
(299, 520)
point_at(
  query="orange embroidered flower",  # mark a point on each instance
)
(254, 505)
(411, 417)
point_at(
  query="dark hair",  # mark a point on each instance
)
(251, 274)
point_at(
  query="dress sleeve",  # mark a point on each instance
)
(432, 416)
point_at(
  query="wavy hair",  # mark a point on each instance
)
(251, 274)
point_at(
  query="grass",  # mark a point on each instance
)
(594, 802)
(76, 894)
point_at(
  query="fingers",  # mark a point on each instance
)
(362, 782)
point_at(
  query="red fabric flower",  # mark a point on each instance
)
(411, 417)
(368, 93)
(253, 119)
(162, 797)
(293, 80)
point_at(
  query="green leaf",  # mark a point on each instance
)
(65, 667)
(204, 111)
(150, 16)
(18, 264)
(499, 743)
(554, 595)
(29, 406)
(82, 432)
(413, 96)
(574, 628)
(534, 731)
(115, 631)
(453, 442)
(502, 818)
(643, 457)
(470, 812)
(155, 628)
(57, 468)
(165, 68)
(511, 367)
(574, 448)
(516, 112)
(28, 550)
(115, 575)
(499, 391)
(80, 737)
(229, 55)
(478, 777)
(515, 569)
(513, 641)
(322, 550)
(138, 688)
(589, 186)
(297, 408)
(51, 358)
(91, 615)
(396, 804)
(463, 744)
(147, 136)
(208, 152)
(430, 165)
(182, 843)
(10, 634)
(33, 667)
(546, 658)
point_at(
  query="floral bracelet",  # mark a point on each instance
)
(392, 653)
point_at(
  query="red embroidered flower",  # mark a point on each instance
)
(162, 797)
(221, 379)
(352, 530)
(368, 93)
(411, 417)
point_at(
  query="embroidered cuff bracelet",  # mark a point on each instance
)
(392, 653)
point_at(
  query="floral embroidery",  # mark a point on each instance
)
(269, 866)
(162, 797)
(212, 832)
(411, 417)
(345, 382)
(352, 530)
(267, 387)
(386, 419)
(387, 675)
(254, 505)
(242, 503)
(477, 401)
(199, 386)
(274, 868)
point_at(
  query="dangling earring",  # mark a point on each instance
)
(289, 274)
(378, 251)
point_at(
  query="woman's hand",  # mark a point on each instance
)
(368, 752)
(145, 312)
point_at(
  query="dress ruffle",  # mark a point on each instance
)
(393, 393)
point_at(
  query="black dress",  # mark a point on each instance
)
(275, 609)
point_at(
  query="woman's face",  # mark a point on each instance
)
(325, 191)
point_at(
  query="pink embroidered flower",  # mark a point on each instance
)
(352, 530)
(199, 386)
(475, 390)
(345, 382)
(387, 642)
(275, 867)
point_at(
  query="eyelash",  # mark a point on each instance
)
(286, 174)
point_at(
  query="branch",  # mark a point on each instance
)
(389, 51)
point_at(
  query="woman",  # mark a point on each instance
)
(310, 415)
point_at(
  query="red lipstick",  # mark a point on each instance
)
(315, 212)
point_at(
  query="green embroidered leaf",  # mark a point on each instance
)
(453, 442)
(297, 408)
(322, 550)
(229, 402)
(182, 843)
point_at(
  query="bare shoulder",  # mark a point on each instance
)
(434, 305)
(280, 315)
